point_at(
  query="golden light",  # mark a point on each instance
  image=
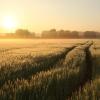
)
(9, 22)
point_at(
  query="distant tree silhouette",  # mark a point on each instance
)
(22, 33)
(45, 34)
(49, 34)
(97, 35)
(53, 33)
(75, 34)
(60, 34)
(68, 34)
(90, 34)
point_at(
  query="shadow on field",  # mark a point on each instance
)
(88, 69)
(89, 65)
(96, 66)
(85, 72)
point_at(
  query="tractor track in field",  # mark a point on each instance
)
(27, 72)
(51, 61)
(87, 73)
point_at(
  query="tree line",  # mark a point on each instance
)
(53, 33)
(69, 34)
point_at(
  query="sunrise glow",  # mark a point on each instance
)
(39, 15)
(9, 22)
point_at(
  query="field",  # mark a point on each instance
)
(50, 69)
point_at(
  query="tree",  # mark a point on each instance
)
(75, 34)
(52, 33)
(44, 34)
(49, 34)
(61, 34)
(68, 34)
(22, 33)
(90, 34)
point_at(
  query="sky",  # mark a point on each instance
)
(39, 15)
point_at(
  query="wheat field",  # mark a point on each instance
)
(49, 69)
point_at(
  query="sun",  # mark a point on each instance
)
(9, 22)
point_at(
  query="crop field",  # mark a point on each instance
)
(91, 90)
(49, 69)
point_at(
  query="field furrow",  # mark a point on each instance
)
(54, 84)
(91, 90)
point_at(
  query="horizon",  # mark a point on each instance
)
(37, 15)
(39, 33)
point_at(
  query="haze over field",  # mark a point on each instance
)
(39, 15)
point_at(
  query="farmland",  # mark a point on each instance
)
(91, 90)
(49, 69)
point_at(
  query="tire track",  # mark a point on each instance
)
(52, 80)
(85, 72)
